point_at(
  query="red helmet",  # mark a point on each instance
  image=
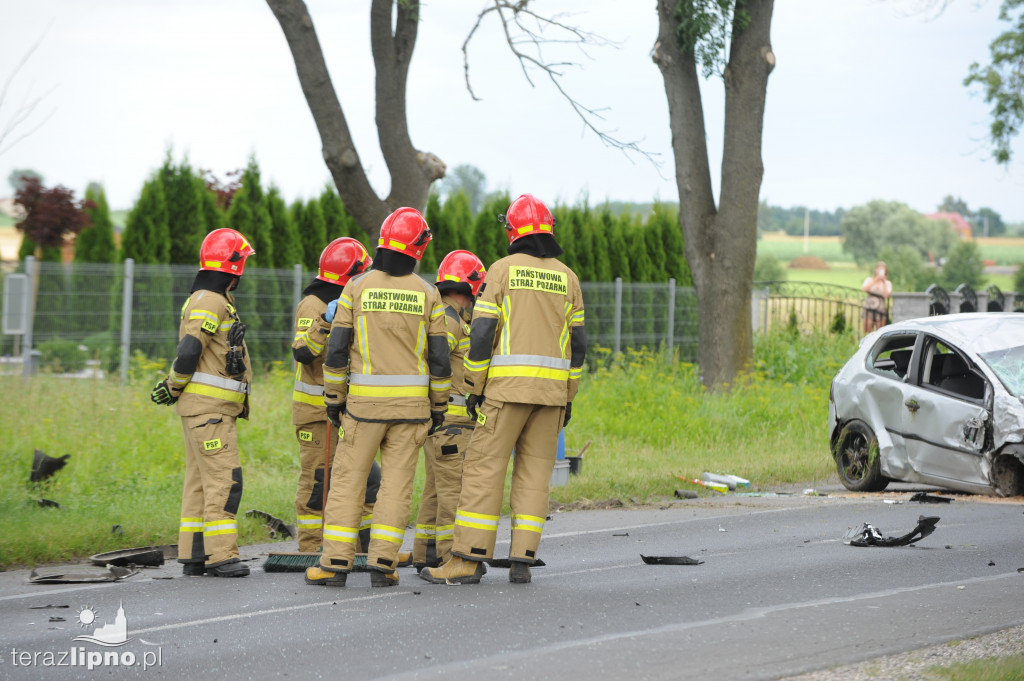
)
(343, 259)
(405, 231)
(224, 250)
(528, 215)
(464, 268)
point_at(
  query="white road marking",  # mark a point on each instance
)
(272, 611)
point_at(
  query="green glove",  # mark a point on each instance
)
(162, 395)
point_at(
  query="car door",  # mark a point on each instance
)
(945, 417)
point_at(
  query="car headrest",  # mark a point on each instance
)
(954, 365)
(901, 358)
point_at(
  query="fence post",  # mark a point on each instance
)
(618, 315)
(671, 340)
(126, 316)
(767, 306)
(30, 313)
(296, 286)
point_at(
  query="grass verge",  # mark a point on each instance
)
(647, 418)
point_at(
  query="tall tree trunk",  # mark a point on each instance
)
(411, 171)
(720, 242)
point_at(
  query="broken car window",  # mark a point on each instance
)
(892, 354)
(1008, 365)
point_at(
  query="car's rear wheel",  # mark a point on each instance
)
(857, 461)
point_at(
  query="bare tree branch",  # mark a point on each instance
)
(526, 34)
(24, 110)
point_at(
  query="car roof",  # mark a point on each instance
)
(977, 331)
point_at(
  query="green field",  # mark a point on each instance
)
(843, 271)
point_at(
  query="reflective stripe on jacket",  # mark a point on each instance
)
(209, 316)
(395, 366)
(311, 332)
(526, 315)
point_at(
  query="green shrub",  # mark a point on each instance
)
(62, 356)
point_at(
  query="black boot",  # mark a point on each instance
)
(232, 567)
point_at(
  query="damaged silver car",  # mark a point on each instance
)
(938, 400)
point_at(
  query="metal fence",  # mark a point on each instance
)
(101, 319)
(809, 306)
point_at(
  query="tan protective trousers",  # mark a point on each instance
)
(399, 445)
(309, 498)
(533, 431)
(213, 490)
(443, 453)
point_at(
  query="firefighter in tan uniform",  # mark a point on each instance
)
(386, 383)
(459, 277)
(340, 261)
(209, 381)
(525, 360)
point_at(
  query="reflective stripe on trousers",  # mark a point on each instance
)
(478, 520)
(215, 527)
(394, 535)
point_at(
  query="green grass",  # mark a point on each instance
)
(990, 669)
(646, 419)
(6, 220)
(785, 248)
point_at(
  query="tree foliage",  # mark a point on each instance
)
(1002, 81)
(984, 221)
(867, 229)
(963, 266)
(147, 235)
(95, 243)
(467, 179)
(16, 178)
(51, 215)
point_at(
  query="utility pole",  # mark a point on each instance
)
(807, 227)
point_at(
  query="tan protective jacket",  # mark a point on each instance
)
(458, 345)
(521, 346)
(208, 316)
(387, 357)
(311, 332)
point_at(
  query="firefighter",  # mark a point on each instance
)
(527, 347)
(209, 381)
(340, 261)
(459, 278)
(386, 383)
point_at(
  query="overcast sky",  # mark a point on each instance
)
(866, 100)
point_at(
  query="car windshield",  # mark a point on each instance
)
(1008, 365)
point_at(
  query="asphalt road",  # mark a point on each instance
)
(778, 594)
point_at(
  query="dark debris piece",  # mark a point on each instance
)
(670, 560)
(505, 563)
(867, 535)
(275, 525)
(926, 498)
(44, 466)
(48, 503)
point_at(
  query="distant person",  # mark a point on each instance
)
(876, 305)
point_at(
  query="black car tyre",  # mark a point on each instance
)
(857, 461)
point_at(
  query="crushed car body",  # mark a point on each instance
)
(936, 400)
